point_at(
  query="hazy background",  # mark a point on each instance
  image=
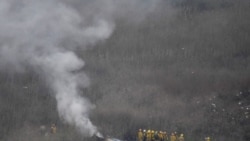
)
(174, 65)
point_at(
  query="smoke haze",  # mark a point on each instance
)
(32, 35)
(175, 65)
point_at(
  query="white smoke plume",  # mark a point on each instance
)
(32, 34)
(43, 35)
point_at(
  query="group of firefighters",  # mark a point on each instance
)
(151, 135)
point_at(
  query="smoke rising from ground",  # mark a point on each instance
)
(32, 35)
(43, 35)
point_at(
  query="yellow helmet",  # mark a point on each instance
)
(182, 135)
(152, 131)
(149, 131)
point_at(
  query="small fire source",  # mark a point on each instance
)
(101, 138)
(112, 139)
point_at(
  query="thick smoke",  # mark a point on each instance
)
(33, 34)
(44, 35)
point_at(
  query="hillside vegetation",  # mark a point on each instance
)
(185, 67)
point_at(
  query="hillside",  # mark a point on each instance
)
(185, 67)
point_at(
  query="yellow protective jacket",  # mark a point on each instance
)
(53, 129)
(173, 138)
(160, 136)
(149, 137)
(152, 136)
(207, 139)
(165, 137)
(140, 136)
(181, 138)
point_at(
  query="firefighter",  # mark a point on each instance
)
(160, 134)
(207, 139)
(165, 136)
(144, 135)
(152, 135)
(53, 129)
(148, 135)
(176, 136)
(139, 135)
(181, 138)
(172, 137)
(42, 130)
(156, 136)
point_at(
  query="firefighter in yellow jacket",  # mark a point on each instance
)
(152, 135)
(160, 134)
(165, 136)
(53, 129)
(139, 135)
(173, 137)
(207, 139)
(148, 135)
(181, 138)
